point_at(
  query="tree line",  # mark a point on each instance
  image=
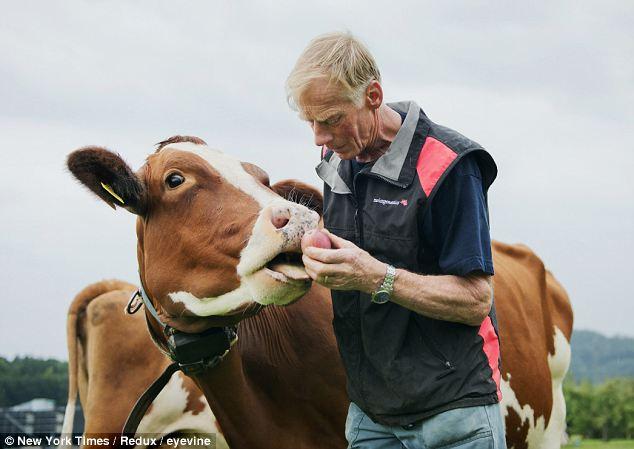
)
(603, 410)
(26, 378)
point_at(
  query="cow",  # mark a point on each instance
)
(535, 324)
(217, 244)
(111, 361)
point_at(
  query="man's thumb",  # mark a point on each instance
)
(338, 242)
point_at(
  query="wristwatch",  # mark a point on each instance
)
(384, 292)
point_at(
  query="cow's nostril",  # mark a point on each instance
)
(279, 222)
(280, 218)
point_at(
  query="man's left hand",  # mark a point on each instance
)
(346, 267)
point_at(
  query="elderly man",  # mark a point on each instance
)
(405, 204)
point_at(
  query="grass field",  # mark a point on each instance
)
(598, 444)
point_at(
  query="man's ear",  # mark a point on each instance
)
(300, 192)
(374, 94)
(109, 177)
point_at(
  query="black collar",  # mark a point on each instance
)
(194, 352)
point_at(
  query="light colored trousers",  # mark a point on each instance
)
(479, 427)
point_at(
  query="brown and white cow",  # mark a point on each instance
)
(535, 324)
(216, 243)
(112, 360)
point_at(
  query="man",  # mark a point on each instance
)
(405, 204)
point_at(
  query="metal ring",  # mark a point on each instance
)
(134, 304)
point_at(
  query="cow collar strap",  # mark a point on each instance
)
(193, 352)
(145, 400)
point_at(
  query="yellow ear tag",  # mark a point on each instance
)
(111, 192)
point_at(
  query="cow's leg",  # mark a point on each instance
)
(529, 430)
(558, 363)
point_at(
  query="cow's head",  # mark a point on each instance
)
(214, 238)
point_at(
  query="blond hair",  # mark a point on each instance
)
(338, 57)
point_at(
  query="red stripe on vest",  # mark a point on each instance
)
(491, 348)
(434, 159)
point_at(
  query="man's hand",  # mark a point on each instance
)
(346, 267)
(462, 299)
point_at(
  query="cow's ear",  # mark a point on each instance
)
(109, 177)
(300, 192)
(256, 172)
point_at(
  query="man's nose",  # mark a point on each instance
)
(322, 136)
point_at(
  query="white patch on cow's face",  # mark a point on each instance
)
(220, 305)
(539, 435)
(266, 242)
(230, 169)
(169, 414)
(258, 284)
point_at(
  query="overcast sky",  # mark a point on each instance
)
(546, 87)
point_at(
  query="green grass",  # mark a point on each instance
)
(576, 442)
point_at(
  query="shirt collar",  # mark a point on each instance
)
(328, 171)
(391, 163)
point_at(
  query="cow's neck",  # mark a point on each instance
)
(277, 388)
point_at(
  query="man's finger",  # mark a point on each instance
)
(317, 270)
(338, 242)
(325, 255)
(313, 267)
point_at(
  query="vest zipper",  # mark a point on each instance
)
(449, 368)
(436, 352)
(358, 225)
(358, 212)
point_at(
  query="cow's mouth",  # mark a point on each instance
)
(287, 268)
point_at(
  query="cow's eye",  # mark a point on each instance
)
(174, 180)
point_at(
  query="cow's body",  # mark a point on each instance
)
(112, 361)
(213, 232)
(535, 324)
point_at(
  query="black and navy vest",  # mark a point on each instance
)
(402, 366)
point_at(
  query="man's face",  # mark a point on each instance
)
(336, 122)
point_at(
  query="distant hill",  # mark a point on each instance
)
(596, 357)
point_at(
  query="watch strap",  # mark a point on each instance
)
(387, 287)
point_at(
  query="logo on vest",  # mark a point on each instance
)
(402, 202)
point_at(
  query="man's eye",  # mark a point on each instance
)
(333, 120)
(174, 180)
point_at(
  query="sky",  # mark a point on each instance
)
(546, 87)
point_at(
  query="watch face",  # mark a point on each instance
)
(380, 297)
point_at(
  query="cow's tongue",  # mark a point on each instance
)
(291, 271)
